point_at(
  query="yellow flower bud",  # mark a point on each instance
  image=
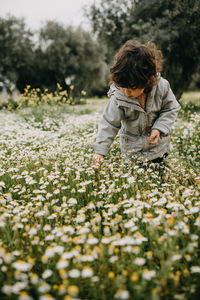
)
(111, 275)
(134, 276)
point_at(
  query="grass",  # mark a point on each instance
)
(191, 98)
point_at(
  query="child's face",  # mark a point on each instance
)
(132, 93)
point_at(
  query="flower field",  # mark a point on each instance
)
(70, 232)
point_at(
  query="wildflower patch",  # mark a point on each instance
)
(70, 232)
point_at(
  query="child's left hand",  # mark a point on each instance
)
(154, 137)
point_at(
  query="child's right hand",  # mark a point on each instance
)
(97, 160)
(154, 137)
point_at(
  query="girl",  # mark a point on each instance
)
(142, 105)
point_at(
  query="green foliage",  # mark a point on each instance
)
(109, 19)
(172, 25)
(69, 53)
(16, 52)
(61, 54)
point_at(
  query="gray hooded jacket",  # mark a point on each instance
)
(135, 123)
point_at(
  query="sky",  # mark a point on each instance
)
(68, 12)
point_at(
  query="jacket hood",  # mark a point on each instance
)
(115, 90)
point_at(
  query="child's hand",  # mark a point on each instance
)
(97, 160)
(154, 137)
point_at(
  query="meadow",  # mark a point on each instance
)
(70, 232)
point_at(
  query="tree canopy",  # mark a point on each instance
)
(172, 25)
(61, 55)
(16, 51)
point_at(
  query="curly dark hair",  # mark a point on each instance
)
(136, 65)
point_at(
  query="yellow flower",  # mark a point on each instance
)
(83, 93)
(125, 272)
(171, 220)
(178, 272)
(111, 275)
(197, 180)
(55, 287)
(34, 278)
(134, 276)
(160, 239)
(47, 296)
(67, 297)
(176, 278)
(185, 271)
(59, 86)
(62, 273)
(44, 259)
(30, 259)
(99, 250)
(71, 87)
(116, 250)
(24, 296)
(149, 254)
(62, 288)
(23, 293)
(73, 290)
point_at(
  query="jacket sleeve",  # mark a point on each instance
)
(169, 111)
(108, 128)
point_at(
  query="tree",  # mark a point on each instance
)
(61, 55)
(16, 52)
(67, 53)
(109, 20)
(172, 25)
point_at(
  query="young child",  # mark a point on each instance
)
(142, 105)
